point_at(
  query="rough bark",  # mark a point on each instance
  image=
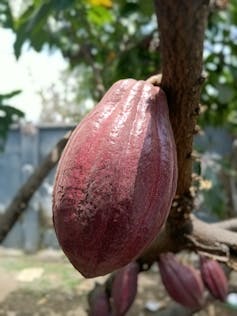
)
(181, 27)
(27, 190)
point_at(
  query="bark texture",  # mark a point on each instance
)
(181, 26)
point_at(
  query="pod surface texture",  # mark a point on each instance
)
(116, 179)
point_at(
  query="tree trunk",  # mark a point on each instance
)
(181, 27)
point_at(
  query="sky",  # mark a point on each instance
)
(32, 72)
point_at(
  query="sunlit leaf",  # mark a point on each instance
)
(103, 3)
(99, 15)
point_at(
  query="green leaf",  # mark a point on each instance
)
(8, 115)
(32, 25)
(9, 95)
(6, 18)
(146, 7)
(128, 7)
(99, 15)
(11, 111)
(63, 4)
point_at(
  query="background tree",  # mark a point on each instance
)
(119, 40)
(60, 101)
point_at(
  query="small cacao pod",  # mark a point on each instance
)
(116, 179)
(99, 302)
(124, 288)
(214, 278)
(182, 282)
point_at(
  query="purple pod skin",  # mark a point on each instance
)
(116, 179)
(124, 288)
(182, 282)
(99, 302)
(214, 278)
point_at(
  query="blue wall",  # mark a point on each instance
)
(25, 148)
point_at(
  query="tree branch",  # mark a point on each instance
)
(199, 236)
(212, 235)
(25, 193)
(229, 224)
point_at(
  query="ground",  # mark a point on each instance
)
(45, 284)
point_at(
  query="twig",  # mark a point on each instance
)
(229, 224)
(210, 239)
(213, 235)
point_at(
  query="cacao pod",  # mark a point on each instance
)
(182, 282)
(124, 288)
(116, 179)
(99, 302)
(214, 278)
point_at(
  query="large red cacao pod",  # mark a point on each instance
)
(214, 278)
(124, 288)
(116, 179)
(182, 282)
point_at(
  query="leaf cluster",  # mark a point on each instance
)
(220, 61)
(8, 115)
(118, 39)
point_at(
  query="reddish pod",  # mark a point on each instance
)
(99, 302)
(214, 278)
(116, 179)
(182, 282)
(124, 288)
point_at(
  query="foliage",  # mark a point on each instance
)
(112, 41)
(220, 93)
(8, 115)
(60, 100)
(118, 39)
(6, 17)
